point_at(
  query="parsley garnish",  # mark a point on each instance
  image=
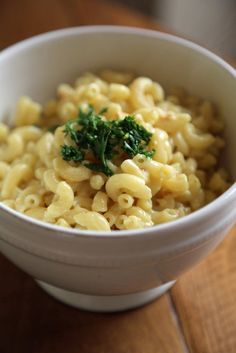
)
(103, 110)
(103, 140)
(71, 153)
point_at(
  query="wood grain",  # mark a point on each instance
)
(205, 299)
(31, 321)
(202, 304)
(25, 18)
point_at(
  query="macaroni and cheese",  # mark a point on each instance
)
(180, 176)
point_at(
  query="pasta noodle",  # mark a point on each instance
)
(180, 177)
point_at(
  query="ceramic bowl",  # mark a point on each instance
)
(125, 269)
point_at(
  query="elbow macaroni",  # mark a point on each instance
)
(180, 178)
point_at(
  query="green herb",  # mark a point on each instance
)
(104, 139)
(71, 131)
(71, 153)
(103, 110)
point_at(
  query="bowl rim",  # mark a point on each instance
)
(188, 220)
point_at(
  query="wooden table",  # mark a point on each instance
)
(198, 315)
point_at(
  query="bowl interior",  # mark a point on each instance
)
(36, 67)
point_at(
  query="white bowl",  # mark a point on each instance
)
(110, 272)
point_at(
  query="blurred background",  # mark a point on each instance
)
(210, 22)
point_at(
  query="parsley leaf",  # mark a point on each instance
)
(71, 153)
(103, 140)
(103, 110)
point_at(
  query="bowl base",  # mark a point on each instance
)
(104, 303)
